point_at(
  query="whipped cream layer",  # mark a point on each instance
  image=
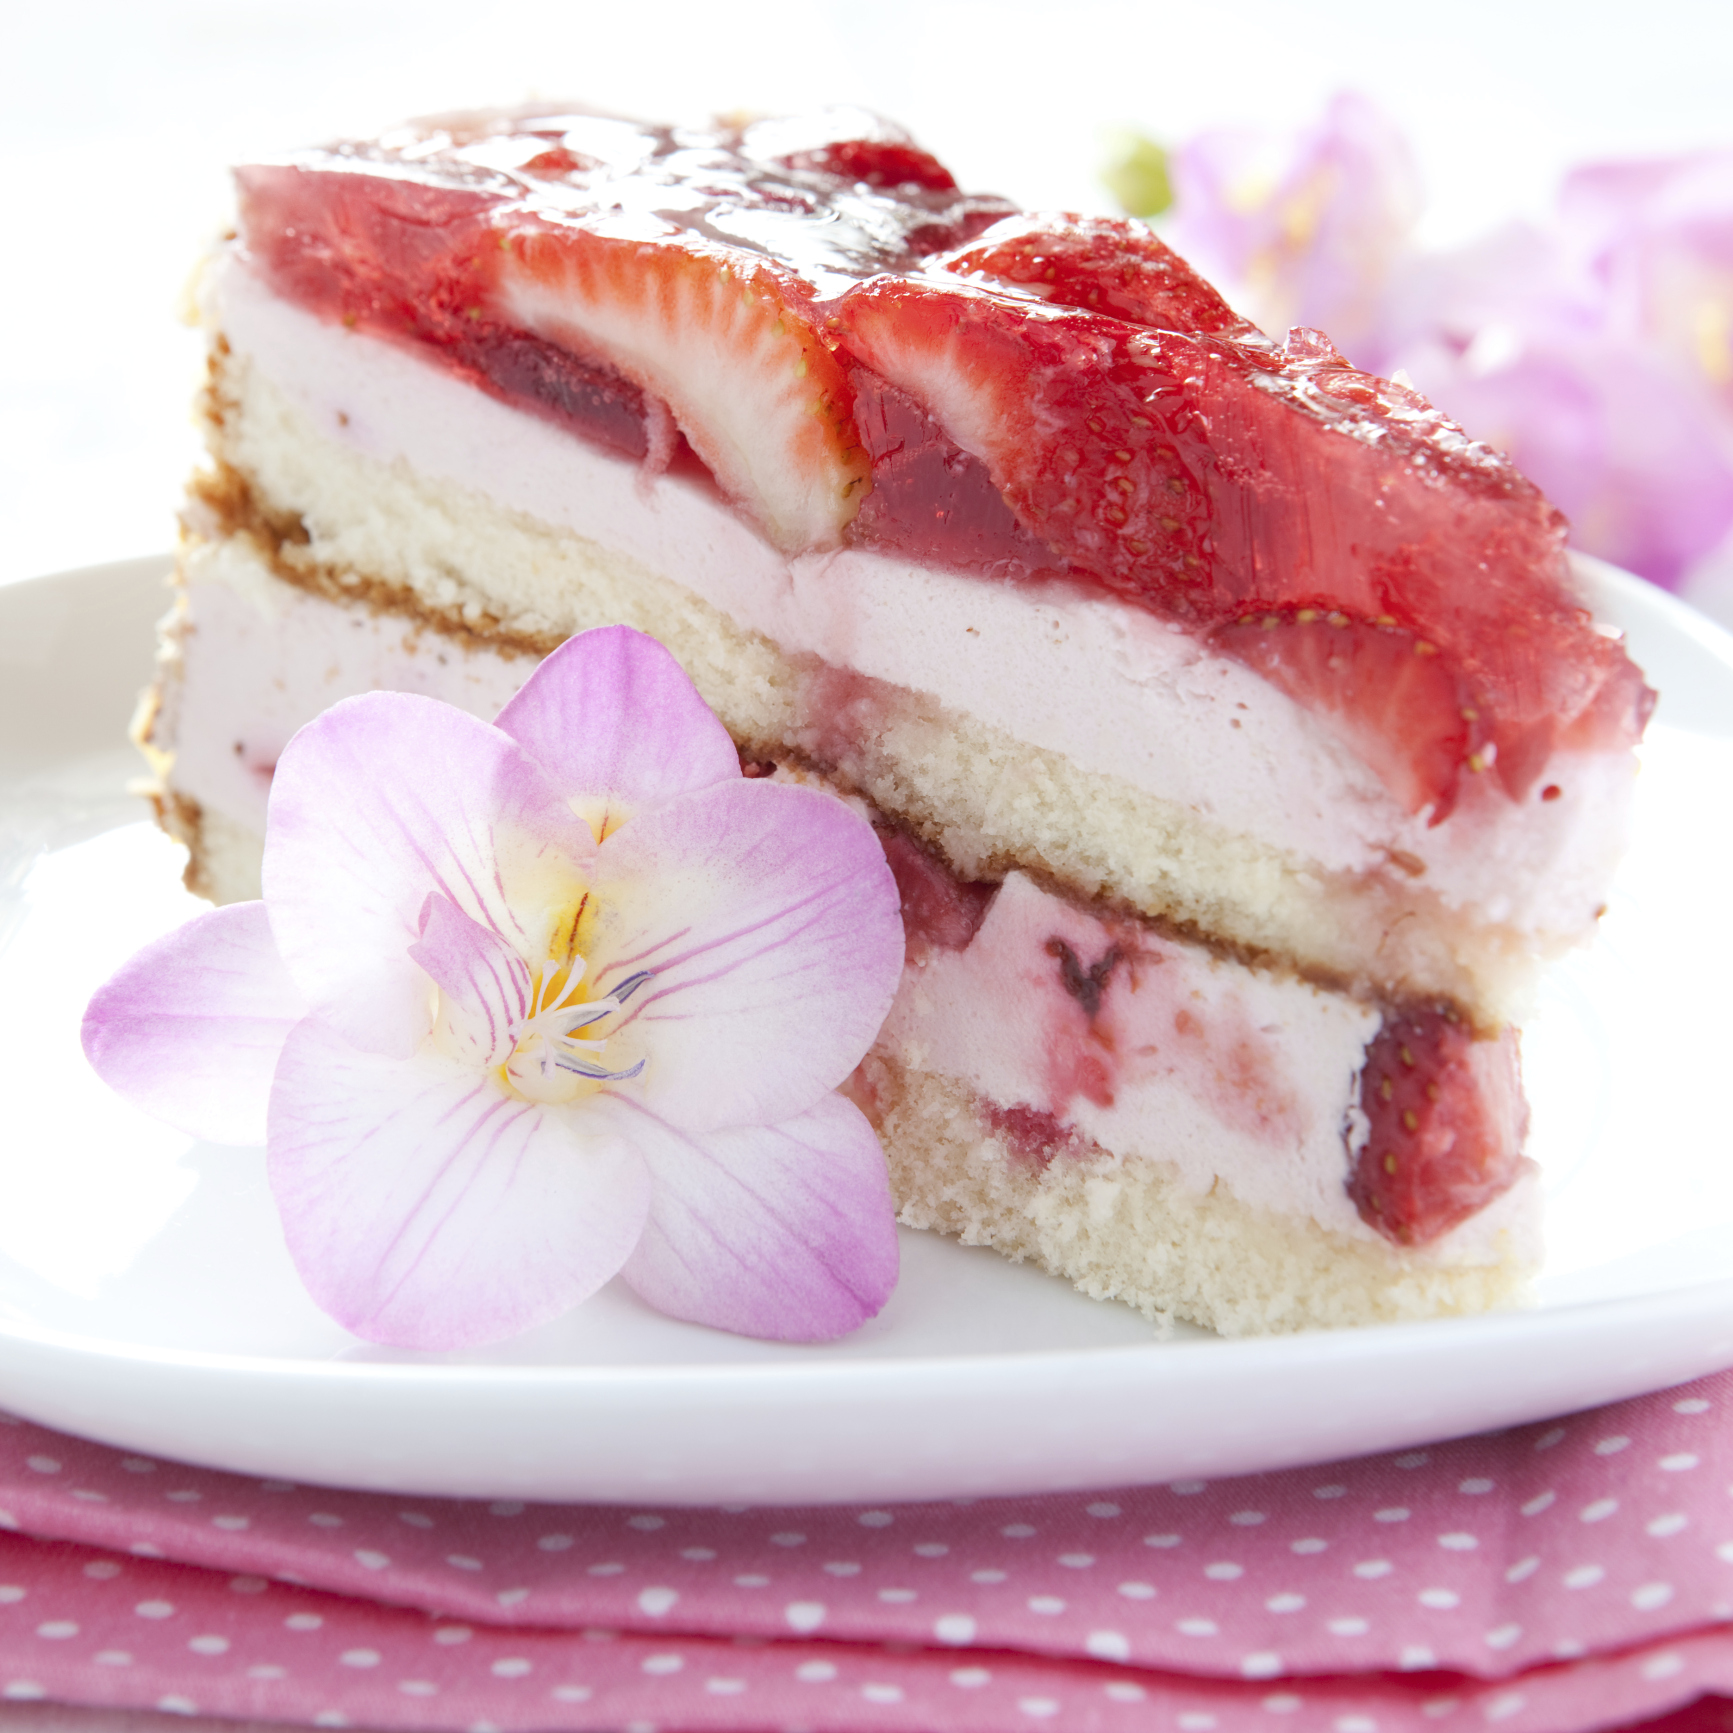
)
(1115, 689)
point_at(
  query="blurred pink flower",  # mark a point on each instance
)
(532, 1004)
(1596, 349)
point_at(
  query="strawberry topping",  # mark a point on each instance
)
(1447, 1121)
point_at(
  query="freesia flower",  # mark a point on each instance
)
(531, 1004)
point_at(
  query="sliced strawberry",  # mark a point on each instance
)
(1383, 692)
(725, 340)
(1101, 265)
(1447, 1122)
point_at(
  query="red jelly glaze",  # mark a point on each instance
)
(940, 911)
(1139, 435)
(1447, 1121)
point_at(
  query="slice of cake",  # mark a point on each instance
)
(1239, 744)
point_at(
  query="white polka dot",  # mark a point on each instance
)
(1725, 1551)
(1224, 1572)
(418, 1687)
(373, 1561)
(1369, 1570)
(319, 1518)
(247, 1585)
(1262, 1665)
(1569, 1649)
(450, 1634)
(505, 1507)
(1248, 1518)
(1107, 1646)
(1650, 1596)
(1475, 1486)
(177, 1705)
(102, 1569)
(209, 1645)
(1679, 1463)
(1535, 1506)
(1612, 1446)
(137, 1465)
(1413, 1459)
(1123, 1691)
(752, 1582)
(697, 1554)
(971, 1678)
(843, 1568)
(234, 1524)
(155, 1609)
(10, 1592)
(1599, 1511)
(57, 1629)
(1691, 1405)
(724, 1687)
(1584, 1577)
(1310, 1545)
(1017, 1531)
(1048, 1604)
(511, 1597)
(1137, 1591)
(656, 1601)
(23, 1690)
(1522, 1570)
(513, 1667)
(336, 1718)
(1039, 1707)
(1663, 1526)
(1282, 1703)
(875, 1519)
(1348, 1627)
(931, 1549)
(1188, 1488)
(1196, 1722)
(1285, 1603)
(113, 1658)
(1440, 1599)
(571, 1693)
(646, 1522)
(1161, 1540)
(815, 1672)
(1415, 1658)
(876, 1693)
(1503, 1636)
(1502, 1707)
(1355, 1724)
(788, 1540)
(804, 1616)
(362, 1658)
(1548, 1439)
(1394, 1513)
(1077, 1561)
(415, 1518)
(982, 1576)
(1102, 1509)
(1196, 1627)
(1663, 1666)
(462, 1561)
(1329, 1492)
(43, 1464)
(303, 1622)
(610, 1569)
(954, 1628)
(86, 1496)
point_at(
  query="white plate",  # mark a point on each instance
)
(146, 1298)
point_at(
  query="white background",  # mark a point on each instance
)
(117, 119)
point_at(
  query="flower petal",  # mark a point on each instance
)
(784, 1231)
(613, 719)
(485, 985)
(191, 1028)
(380, 800)
(426, 1208)
(771, 923)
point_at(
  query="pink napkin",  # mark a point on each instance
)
(1570, 1575)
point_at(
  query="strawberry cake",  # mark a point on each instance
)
(1239, 744)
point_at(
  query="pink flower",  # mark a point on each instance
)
(531, 1004)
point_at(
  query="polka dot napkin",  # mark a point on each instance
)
(1566, 1576)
